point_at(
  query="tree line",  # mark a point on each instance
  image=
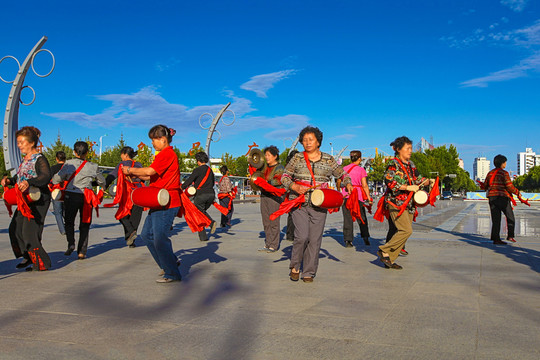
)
(530, 182)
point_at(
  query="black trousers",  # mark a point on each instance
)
(498, 205)
(73, 204)
(203, 201)
(348, 225)
(392, 229)
(25, 234)
(131, 222)
(226, 219)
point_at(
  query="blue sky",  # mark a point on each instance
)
(364, 72)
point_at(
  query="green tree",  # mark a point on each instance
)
(241, 166)
(377, 169)
(3, 171)
(111, 156)
(144, 155)
(58, 145)
(229, 161)
(529, 182)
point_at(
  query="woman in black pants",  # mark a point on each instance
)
(129, 222)
(81, 175)
(24, 231)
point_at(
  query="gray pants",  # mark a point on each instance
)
(308, 230)
(272, 231)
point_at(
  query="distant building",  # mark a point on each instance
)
(526, 160)
(424, 145)
(461, 164)
(480, 168)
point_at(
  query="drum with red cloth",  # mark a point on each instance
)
(327, 198)
(31, 194)
(150, 197)
(421, 198)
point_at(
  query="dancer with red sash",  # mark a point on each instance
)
(402, 181)
(354, 206)
(499, 189)
(163, 173)
(226, 195)
(202, 178)
(58, 206)
(128, 213)
(26, 227)
(80, 175)
(307, 170)
(270, 200)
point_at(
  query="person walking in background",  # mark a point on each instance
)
(226, 195)
(359, 182)
(26, 229)
(290, 223)
(163, 173)
(81, 175)
(129, 222)
(499, 191)
(58, 206)
(202, 179)
(272, 171)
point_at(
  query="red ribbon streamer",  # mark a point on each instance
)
(195, 219)
(124, 187)
(287, 205)
(91, 200)
(434, 192)
(260, 182)
(354, 207)
(22, 204)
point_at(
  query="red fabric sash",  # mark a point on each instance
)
(22, 204)
(91, 200)
(260, 182)
(222, 209)
(63, 185)
(354, 207)
(195, 219)
(382, 212)
(204, 179)
(124, 187)
(287, 205)
(434, 192)
(232, 196)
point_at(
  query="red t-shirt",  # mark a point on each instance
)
(168, 175)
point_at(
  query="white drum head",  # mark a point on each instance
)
(34, 193)
(56, 194)
(112, 190)
(317, 197)
(191, 190)
(421, 197)
(163, 197)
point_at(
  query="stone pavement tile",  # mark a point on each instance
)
(450, 297)
(16, 349)
(403, 351)
(431, 327)
(371, 310)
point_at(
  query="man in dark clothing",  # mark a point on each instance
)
(58, 206)
(202, 179)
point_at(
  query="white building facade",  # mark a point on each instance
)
(480, 168)
(526, 160)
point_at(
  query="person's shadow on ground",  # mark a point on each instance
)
(190, 257)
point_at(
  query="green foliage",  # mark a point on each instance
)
(3, 171)
(144, 155)
(111, 157)
(529, 182)
(58, 145)
(346, 162)
(378, 167)
(237, 166)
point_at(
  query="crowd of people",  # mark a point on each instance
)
(290, 189)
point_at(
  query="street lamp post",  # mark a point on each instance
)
(100, 145)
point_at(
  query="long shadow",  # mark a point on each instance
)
(335, 234)
(287, 251)
(190, 257)
(520, 255)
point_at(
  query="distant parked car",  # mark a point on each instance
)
(446, 195)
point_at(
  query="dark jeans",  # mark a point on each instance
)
(498, 205)
(155, 233)
(73, 204)
(203, 201)
(226, 219)
(348, 225)
(131, 222)
(58, 208)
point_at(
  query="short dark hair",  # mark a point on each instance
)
(311, 130)
(80, 148)
(128, 150)
(499, 160)
(291, 155)
(159, 131)
(399, 143)
(31, 134)
(355, 155)
(61, 156)
(223, 169)
(272, 149)
(201, 157)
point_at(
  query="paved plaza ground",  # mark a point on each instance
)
(458, 296)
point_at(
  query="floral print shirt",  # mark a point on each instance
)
(400, 173)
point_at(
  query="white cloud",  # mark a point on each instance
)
(344, 136)
(147, 107)
(164, 66)
(260, 84)
(516, 5)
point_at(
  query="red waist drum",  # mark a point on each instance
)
(421, 198)
(326, 198)
(31, 195)
(150, 197)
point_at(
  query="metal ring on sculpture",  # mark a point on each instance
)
(18, 68)
(200, 117)
(53, 63)
(33, 99)
(219, 138)
(232, 122)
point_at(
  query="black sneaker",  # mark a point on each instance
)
(70, 250)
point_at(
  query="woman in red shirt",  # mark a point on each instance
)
(163, 173)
